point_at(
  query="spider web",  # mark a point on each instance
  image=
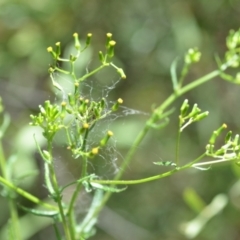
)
(107, 162)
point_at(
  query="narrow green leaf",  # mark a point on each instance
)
(51, 214)
(173, 72)
(160, 125)
(201, 168)
(193, 200)
(107, 188)
(218, 61)
(5, 124)
(165, 163)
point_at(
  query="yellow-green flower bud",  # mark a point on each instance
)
(88, 40)
(63, 112)
(101, 57)
(236, 139)
(77, 42)
(110, 52)
(71, 99)
(216, 134)
(195, 111)
(58, 49)
(201, 116)
(93, 152)
(184, 108)
(116, 105)
(104, 141)
(109, 38)
(228, 137)
(50, 50)
(121, 73)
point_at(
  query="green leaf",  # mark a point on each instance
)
(193, 200)
(106, 188)
(201, 168)
(165, 163)
(5, 124)
(51, 214)
(173, 72)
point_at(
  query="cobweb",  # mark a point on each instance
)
(109, 159)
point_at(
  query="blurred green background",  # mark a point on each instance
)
(149, 35)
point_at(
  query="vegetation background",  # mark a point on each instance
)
(149, 35)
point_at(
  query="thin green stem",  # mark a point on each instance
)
(26, 195)
(92, 72)
(199, 82)
(11, 202)
(58, 197)
(14, 224)
(145, 130)
(113, 182)
(149, 179)
(70, 213)
(178, 146)
(84, 160)
(131, 152)
(183, 74)
(161, 109)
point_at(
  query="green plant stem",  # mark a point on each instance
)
(26, 195)
(84, 160)
(70, 213)
(161, 109)
(178, 146)
(149, 179)
(92, 72)
(11, 202)
(14, 224)
(58, 197)
(145, 130)
(183, 74)
(144, 180)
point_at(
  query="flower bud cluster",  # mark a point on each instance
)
(229, 151)
(233, 44)
(190, 116)
(86, 113)
(192, 56)
(48, 119)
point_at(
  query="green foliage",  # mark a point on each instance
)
(77, 117)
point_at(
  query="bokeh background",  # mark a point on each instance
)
(149, 35)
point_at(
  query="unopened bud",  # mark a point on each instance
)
(77, 42)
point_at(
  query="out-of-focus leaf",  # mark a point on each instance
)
(193, 200)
